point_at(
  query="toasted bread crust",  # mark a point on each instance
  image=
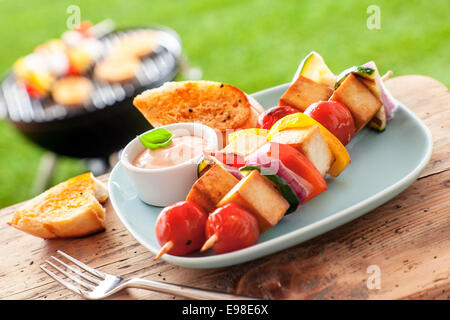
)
(69, 209)
(217, 105)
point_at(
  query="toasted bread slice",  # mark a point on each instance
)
(303, 92)
(70, 209)
(359, 99)
(211, 187)
(309, 141)
(217, 105)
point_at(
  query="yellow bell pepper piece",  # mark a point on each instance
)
(256, 131)
(299, 120)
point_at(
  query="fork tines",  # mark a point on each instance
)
(78, 277)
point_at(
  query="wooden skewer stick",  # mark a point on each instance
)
(164, 249)
(387, 75)
(210, 242)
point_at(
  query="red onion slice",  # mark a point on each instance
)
(388, 101)
(260, 159)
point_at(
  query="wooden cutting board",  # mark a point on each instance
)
(401, 250)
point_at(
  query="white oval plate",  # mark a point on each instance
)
(382, 166)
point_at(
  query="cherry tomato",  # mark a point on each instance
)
(180, 228)
(335, 117)
(267, 119)
(231, 228)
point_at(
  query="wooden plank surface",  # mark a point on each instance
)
(407, 240)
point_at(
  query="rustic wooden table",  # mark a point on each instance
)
(407, 240)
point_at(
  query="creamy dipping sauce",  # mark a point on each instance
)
(182, 149)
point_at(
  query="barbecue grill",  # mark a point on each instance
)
(107, 121)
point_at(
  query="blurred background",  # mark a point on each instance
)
(251, 44)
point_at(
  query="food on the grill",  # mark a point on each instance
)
(212, 186)
(361, 102)
(83, 57)
(268, 118)
(259, 196)
(33, 75)
(138, 44)
(83, 48)
(180, 228)
(72, 91)
(303, 92)
(53, 55)
(220, 106)
(123, 60)
(335, 117)
(117, 69)
(230, 228)
(70, 209)
(74, 54)
(309, 141)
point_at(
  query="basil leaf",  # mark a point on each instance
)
(150, 145)
(156, 139)
(157, 136)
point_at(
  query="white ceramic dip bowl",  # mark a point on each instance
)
(165, 186)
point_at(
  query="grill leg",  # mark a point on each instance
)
(44, 173)
(97, 166)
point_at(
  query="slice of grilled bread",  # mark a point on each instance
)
(217, 105)
(309, 141)
(70, 209)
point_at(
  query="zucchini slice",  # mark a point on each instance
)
(378, 122)
(314, 68)
(364, 72)
(204, 164)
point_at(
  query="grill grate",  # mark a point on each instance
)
(157, 68)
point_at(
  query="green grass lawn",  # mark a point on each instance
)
(251, 44)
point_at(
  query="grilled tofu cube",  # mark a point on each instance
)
(211, 187)
(245, 144)
(309, 141)
(359, 99)
(304, 92)
(259, 196)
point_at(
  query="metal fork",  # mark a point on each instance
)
(93, 284)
